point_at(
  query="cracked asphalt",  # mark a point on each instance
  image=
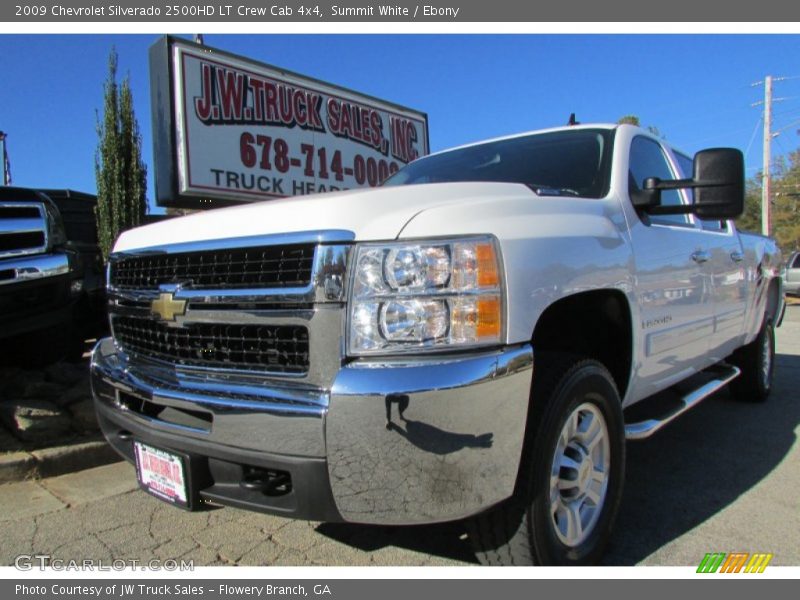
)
(725, 477)
(100, 514)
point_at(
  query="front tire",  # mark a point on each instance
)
(571, 475)
(756, 360)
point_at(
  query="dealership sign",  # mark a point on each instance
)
(229, 129)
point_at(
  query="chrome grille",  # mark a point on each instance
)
(255, 306)
(262, 348)
(239, 268)
(23, 228)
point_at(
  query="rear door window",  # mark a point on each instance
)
(647, 159)
(686, 165)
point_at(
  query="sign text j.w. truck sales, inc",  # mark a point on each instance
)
(247, 131)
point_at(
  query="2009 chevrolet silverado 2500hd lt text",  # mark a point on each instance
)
(474, 340)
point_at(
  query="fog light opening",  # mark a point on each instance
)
(266, 481)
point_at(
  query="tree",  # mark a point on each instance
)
(635, 120)
(119, 170)
(629, 120)
(750, 220)
(784, 203)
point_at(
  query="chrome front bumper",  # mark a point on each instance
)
(405, 441)
(30, 268)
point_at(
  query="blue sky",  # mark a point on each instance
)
(695, 88)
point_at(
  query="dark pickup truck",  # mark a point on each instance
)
(52, 292)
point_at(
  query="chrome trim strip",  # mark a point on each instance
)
(38, 267)
(679, 335)
(232, 296)
(268, 418)
(17, 204)
(280, 316)
(381, 377)
(731, 319)
(644, 429)
(25, 225)
(328, 281)
(156, 422)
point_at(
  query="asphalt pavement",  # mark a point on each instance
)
(725, 477)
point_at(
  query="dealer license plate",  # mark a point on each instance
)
(162, 473)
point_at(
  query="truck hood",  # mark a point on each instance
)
(370, 214)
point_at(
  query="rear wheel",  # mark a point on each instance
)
(571, 476)
(756, 360)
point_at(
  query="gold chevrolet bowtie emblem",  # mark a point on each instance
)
(167, 307)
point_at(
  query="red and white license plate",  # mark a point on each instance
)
(162, 473)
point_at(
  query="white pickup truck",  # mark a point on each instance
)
(474, 340)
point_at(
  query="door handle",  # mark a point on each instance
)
(737, 256)
(700, 256)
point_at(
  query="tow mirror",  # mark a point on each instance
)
(718, 185)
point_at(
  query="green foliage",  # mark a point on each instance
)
(785, 204)
(119, 170)
(634, 120)
(629, 120)
(751, 217)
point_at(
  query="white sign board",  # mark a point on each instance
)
(248, 131)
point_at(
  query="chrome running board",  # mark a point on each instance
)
(723, 374)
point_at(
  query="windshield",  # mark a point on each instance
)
(568, 163)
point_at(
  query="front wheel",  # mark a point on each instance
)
(571, 476)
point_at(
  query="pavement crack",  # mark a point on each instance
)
(56, 495)
(150, 522)
(104, 545)
(191, 550)
(36, 527)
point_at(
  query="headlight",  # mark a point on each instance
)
(411, 296)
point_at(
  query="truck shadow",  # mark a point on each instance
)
(684, 475)
(447, 541)
(702, 463)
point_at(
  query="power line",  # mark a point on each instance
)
(752, 138)
(790, 125)
(780, 143)
(717, 136)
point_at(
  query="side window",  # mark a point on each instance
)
(648, 160)
(686, 166)
(796, 263)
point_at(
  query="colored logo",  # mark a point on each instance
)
(735, 562)
(167, 307)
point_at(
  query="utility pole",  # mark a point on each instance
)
(765, 177)
(4, 164)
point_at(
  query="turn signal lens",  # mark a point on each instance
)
(487, 266)
(489, 319)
